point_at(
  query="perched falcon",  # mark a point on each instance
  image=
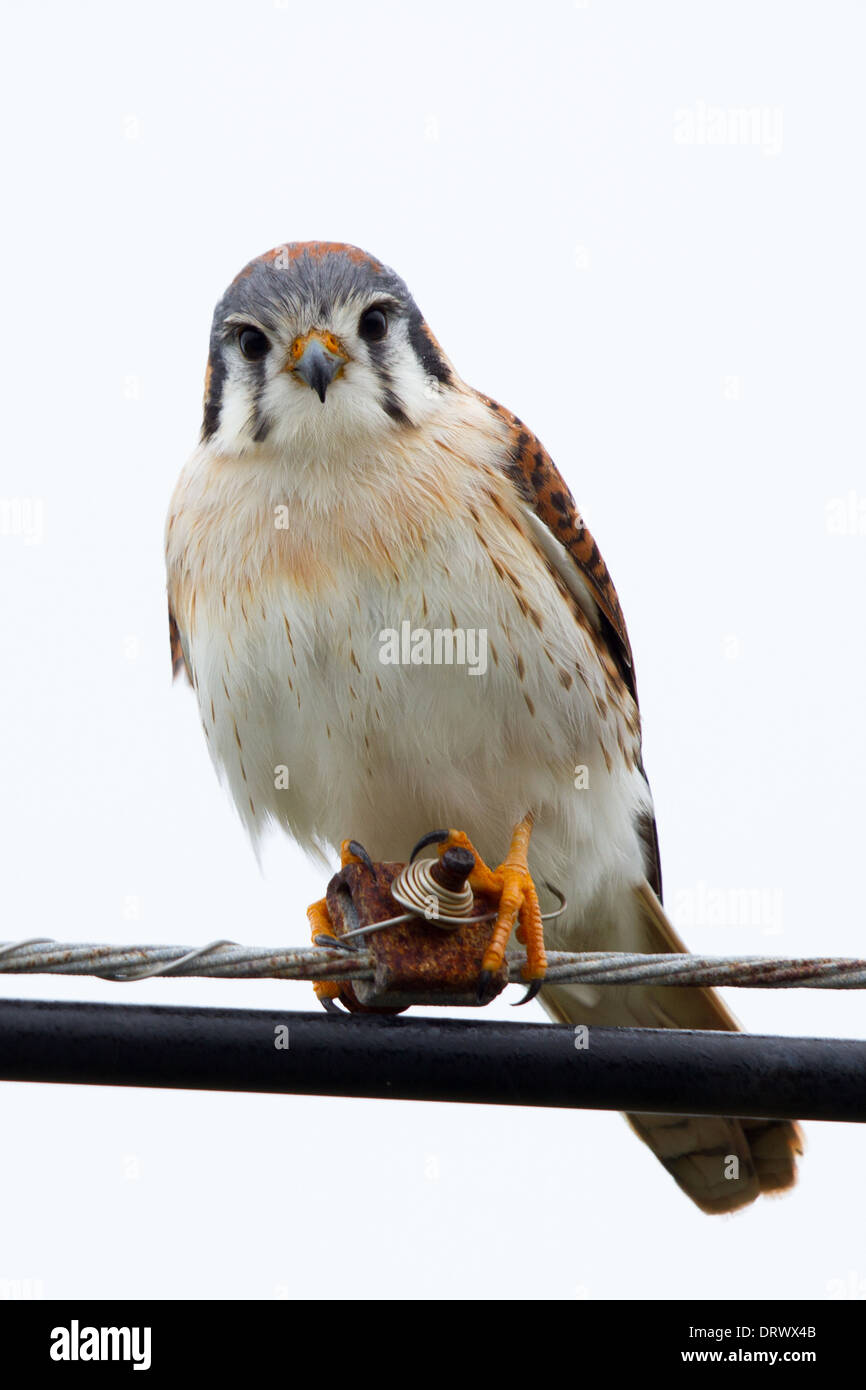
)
(349, 486)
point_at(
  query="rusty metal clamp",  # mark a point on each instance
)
(430, 954)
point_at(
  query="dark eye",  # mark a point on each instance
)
(373, 325)
(253, 344)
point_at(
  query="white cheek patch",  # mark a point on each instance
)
(417, 392)
(236, 413)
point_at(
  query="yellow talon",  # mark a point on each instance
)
(512, 883)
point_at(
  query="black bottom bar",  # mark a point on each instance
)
(215, 1342)
(488, 1063)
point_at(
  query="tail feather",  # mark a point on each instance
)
(776, 1146)
(722, 1164)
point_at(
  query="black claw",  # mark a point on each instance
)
(484, 982)
(530, 994)
(560, 896)
(360, 853)
(435, 837)
(331, 1007)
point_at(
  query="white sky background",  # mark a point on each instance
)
(682, 324)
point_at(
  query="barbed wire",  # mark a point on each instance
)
(224, 959)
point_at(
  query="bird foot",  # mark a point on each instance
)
(511, 883)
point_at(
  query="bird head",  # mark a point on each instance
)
(314, 342)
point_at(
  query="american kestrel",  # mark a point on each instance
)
(350, 503)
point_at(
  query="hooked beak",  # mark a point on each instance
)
(316, 358)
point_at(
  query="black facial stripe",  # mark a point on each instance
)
(424, 348)
(213, 404)
(260, 425)
(392, 406)
(389, 400)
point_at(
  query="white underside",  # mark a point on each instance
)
(385, 753)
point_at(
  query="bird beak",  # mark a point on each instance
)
(316, 358)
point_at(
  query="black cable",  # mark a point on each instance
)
(411, 1058)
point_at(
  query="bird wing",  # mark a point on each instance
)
(563, 534)
(560, 532)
